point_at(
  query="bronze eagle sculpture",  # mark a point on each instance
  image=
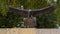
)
(37, 12)
(31, 21)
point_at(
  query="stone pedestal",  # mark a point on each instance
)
(30, 22)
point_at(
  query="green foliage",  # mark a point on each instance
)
(47, 21)
(34, 4)
(3, 7)
(11, 20)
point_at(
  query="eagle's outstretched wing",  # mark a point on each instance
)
(43, 11)
(18, 11)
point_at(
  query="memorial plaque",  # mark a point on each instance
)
(30, 22)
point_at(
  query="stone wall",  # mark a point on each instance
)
(17, 31)
(28, 31)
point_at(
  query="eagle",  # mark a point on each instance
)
(29, 13)
(30, 21)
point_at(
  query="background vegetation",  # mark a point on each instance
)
(8, 19)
